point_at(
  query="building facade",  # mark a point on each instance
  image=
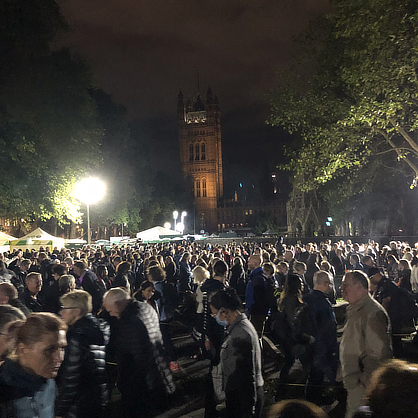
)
(200, 142)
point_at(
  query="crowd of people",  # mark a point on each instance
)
(75, 324)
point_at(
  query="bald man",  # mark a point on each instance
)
(143, 371)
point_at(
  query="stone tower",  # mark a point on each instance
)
(201, 155)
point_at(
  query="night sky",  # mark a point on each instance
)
(143, 51)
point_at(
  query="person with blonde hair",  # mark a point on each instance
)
(10, 320)
(27, 384)
(82, 376)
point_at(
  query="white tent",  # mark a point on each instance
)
(4, 241)
(37, 239)
(155, 233)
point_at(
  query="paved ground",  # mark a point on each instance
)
(188, 400)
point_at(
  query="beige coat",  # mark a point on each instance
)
(365, 343)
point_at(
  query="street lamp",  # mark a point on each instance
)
(175, 217)
(183, 215)
(167, 225)
(89, 191)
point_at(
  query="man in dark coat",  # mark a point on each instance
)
(323, 352)
(90, 284)
(29, 297)
(143, 372)
(82, 376)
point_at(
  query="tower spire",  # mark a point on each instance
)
(198, 81)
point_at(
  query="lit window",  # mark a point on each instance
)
(191, 156)
(197, 152)
(204, 188)
(203, 152)
(197, 188)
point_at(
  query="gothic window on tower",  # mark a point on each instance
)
(191, 153)
(203, 152)
(197, 152)
(197, 188)
(204, 188)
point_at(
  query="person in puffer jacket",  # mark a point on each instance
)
(82, 390)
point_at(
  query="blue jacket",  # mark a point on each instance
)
(324, 324)
(256, 293)
(24, 395)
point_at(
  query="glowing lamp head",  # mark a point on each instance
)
(90, 190)
(167, 225)
(175, 214)
(183, 214)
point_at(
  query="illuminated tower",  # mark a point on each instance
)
(201, 155)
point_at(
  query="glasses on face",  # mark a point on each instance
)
(64, 308)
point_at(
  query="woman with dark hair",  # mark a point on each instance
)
(102, 274)
(290, 300)
(170, 270)
(240, 357)
(145, 293)
(185, 274)
(404, 274)
(122, 279)
(237, 277)
(392, 267)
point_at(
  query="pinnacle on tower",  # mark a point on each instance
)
(209, 96)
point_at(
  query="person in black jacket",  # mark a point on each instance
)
(82, 376)
(322, 326)
(90, 284)
(143, 373)
(29, 297)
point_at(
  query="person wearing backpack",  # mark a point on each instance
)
(398, 303)
(322, 326)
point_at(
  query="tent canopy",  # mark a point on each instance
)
(37, 239)
(5, 238)
(154, 234)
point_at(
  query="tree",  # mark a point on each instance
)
(49, 133)
(352, 95)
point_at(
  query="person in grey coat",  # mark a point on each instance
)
(240, 357)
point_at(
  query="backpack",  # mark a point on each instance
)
(302, 327)
(409, 306)
(171, 298)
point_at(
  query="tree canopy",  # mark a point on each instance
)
(351, 95)
(49, 133)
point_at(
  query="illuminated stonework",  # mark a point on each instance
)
(201, 155)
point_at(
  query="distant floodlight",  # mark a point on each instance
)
(89, 191)
(180, 227)
(167, 225)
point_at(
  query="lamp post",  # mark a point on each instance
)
(175, 217)
(183, 215)
(88, 191)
